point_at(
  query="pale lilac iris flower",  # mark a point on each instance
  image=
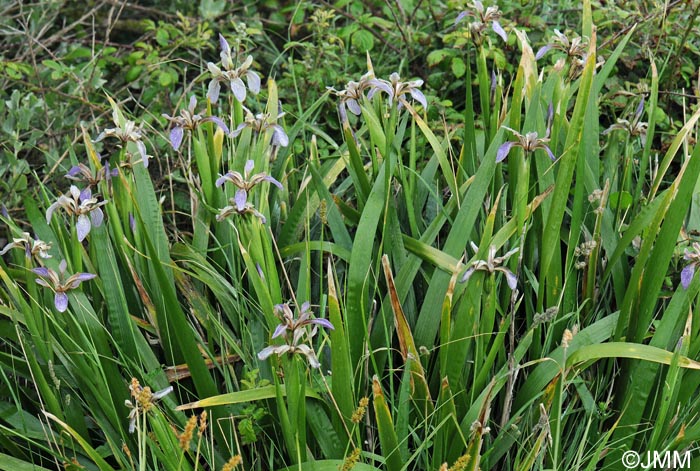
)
(80, 204)
(295, 332)
(491, 265)
(397, 90)
(59, 283)
(528, 142)
(245, 182)
(32, 247)
(189, 120)
(233, 76)
(482, 18)
(260, 123)
(688, 272)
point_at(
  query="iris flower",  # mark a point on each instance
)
(492, 264)
(81, 204)
(529, 143)
(635, 127)
(351, 96)
(260, 123)
(239, 204)
(189, 120)
(483, 17)
(32, 247)
(293, 330)
(396, 89)
(126, 131)
(693, 256)
(82, 173)
(231, 75)
(59, 283)
(575, 48)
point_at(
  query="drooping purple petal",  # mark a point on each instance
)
(461, 16)
(504, 150)
(97, 216)
(142, 150)
(221, 180)
(82, 227)
(60, 300)
(266, 352)
(240, 199)
(41, 282)
(253, 82)
(511, 279)
(50, 210)
(239, 129)
(549, 152)
(323, 323)
(542, 51)
(74, 170)
(640, 109)
(213, 91)
(467, 274)
(274, 181)
(687, 275)
(419, 97)
(238, 89)
(498, 29)
(75, 280)
(41, 271)
(281, 329)
(354, 107)
(218, 121)
(176, 135)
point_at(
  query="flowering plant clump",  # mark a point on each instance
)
(60, 283)
(80, 204)
(295, 331)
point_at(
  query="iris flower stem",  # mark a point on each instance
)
(484, 92)
(625, 183)
(38, 323)
(76, 249)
